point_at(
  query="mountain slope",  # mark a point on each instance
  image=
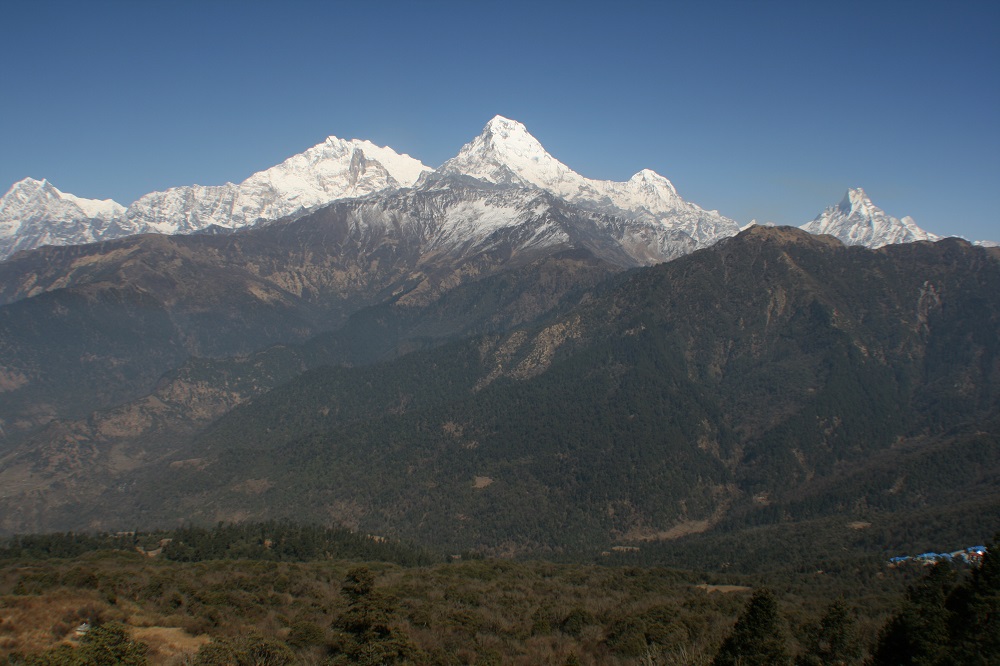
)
(222, 295)
(706, 390)
(704, 394)
(857, 221)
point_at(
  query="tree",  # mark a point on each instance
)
(368, 638)
(758, 638)
(833, 641)
(111, 644)
(918, 634)
(976, 626)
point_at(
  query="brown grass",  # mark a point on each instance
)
(724, 589)
(37, 623)
(169, 645)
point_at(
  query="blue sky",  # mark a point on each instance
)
(767, 110)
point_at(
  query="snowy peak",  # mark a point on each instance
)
(332, 170)
(653, 187)
(856, 202)
(505, 153)
(857, 221)
(38, 195)
(30, 200)
(35, 213)
(511, 140)
(338, 168)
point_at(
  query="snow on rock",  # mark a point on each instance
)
(34, 212)
(857, 221)
(335, 169)
(645, 216)
(29, 198)
(505, 153)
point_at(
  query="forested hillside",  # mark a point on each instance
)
(776, 381)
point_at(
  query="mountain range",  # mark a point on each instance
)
(34, 213)
(498, 355)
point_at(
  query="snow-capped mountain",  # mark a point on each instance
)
(505, 153)
(645, 214)
(653, 223)
(857, 221)
(334, 169)
(34, 212)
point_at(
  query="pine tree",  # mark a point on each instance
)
(758, 639)
(833, 641)
(919, 634)
(368, 637)
(976, 625)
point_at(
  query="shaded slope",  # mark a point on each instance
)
(167, 298)
(717, 388)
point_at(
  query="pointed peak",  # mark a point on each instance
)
(30, 184)
(504, 127)
(335, 141)
(650, 180)
(32, 187)
(509, 135)
(857, 201)
(647, 174)
(505, 153)
(650, 176)
(499, 123)
(855, 195)
(858, 221)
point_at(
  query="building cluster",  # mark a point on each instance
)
(973, 556)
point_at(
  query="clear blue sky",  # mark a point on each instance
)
(759, 109)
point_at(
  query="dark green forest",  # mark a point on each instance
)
(775, 391)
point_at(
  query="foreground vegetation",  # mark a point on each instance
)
(107, 606)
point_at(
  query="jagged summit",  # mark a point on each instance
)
(35, 212)
(30, 195)
(857, 221)
(505, 153)
(856, 201)
(334, 169)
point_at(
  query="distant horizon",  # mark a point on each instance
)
(766, 111)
